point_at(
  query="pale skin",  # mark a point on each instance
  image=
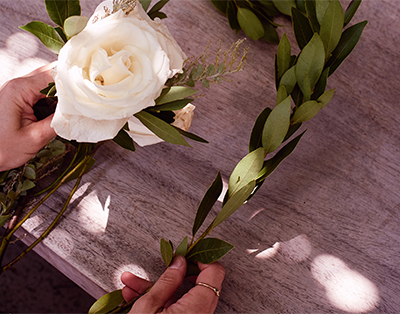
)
(160, 298)
(22, 136)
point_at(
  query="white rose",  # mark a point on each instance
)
(143, 136)
(113, 69)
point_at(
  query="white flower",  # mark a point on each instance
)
(143, 136)
(113, 69)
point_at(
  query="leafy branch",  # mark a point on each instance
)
(301, 82)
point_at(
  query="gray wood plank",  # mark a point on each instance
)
(322, 235)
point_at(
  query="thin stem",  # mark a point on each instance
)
(86, 161)
(63, 174)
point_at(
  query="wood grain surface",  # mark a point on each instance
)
(323, 233)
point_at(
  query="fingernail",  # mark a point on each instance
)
(177, 262)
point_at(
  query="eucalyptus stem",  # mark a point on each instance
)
(85, 163)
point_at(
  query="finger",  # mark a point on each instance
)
(37, 134)
(35, 81)
(163, 289)
(135, 283)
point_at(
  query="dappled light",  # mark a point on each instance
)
(20, 59)
(92, 214)
(346, 288)
(134, 269)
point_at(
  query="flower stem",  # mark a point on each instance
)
(85, 163)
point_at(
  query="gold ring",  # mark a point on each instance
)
(216, 291)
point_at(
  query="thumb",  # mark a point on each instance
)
(163, 289)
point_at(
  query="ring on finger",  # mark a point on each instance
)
(216, 291)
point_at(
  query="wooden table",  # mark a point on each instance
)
(322, 235)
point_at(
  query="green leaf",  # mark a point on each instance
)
(45, 90)
(297, 95)
(331, 26)
(61, 33)
(312, 15)
(27, 185)
(107, 302)
(347, 43)
(276, 126)
(281, 94)
(256, 134)
(284, 6)
(233, 203)
(320, 8)
(173, 105)
(309, 109)
(208, 201)
(192, 136)
(3, 219)
(161, 128)
(157, 7)
(283, 55)
(209, 250)
(182, 247)
(271, 164)
(124, 140)
(302, 28)
(174, 93)
(46, 34)
(60, 10)
(351, 10)
(166, 252)
(250, 23)
(289, 79)
(231, 13)
(30, 173)
(245, 171)
(160, 15)
(220, 5)
(321, 85)
(309, 65)
(270, 33)
(306, 111)
(145, 4)
(326, 97)
(74, 25)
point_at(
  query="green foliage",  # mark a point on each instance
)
(331, 26)
(351, 10)
(124, 140)
(301, 27)
(276, 126)
(208, 201)
(256, 134)
(60, 10)
(74, 25)
(162, 129)
(182, 247)
(250, 23)
(347, 43)
(166, 252)
(107, 302)
(245, 172)
(46, 34)
(155, 11)
(209, 250)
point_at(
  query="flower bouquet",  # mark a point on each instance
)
(120, 76)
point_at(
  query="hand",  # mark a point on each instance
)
(199, 299)
(21, 135)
